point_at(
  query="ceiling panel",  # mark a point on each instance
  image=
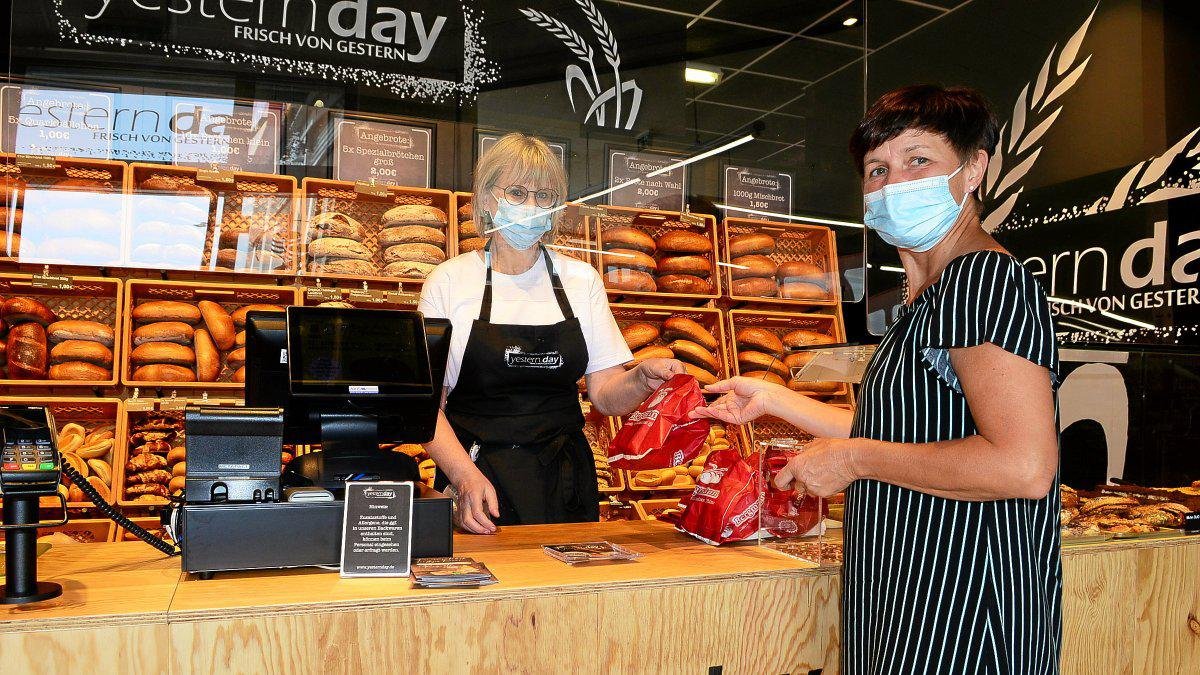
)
(889, 19)
(721, 119)
(806, 60)
(783, 129)
(754, 91)
(708, 41)
(789, 15)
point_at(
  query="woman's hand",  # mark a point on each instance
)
(653, 372)
(476, 500)
(825, 467)
(745, 400)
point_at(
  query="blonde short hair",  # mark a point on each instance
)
(530, 161)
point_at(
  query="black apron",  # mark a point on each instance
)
(517, 398)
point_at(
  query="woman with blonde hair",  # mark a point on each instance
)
(526, 326)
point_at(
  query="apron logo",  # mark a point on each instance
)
(514, 357)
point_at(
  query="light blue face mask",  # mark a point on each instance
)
(915, 214)
(521, 225)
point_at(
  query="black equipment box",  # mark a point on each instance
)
(233, 454)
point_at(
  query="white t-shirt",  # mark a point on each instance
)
(454, 290)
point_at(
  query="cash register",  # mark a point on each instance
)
(346, 379)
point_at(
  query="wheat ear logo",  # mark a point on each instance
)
(598, 96)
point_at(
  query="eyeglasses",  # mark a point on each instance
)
(518, 194)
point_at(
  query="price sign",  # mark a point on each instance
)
(215, 132)
(383, 153)
(757, 190)
(377, 529)
(323, 294)
(59, 283)
(663, 192)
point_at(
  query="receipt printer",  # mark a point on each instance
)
(233, 454)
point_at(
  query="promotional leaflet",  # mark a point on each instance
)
(377, 529)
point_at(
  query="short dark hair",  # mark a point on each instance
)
(960, 114)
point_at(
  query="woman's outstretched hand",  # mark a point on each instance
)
(743, 400)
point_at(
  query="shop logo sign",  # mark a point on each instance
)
(599, 98)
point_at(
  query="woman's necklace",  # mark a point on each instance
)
(904, 289)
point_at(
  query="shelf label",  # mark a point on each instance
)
(366, 296)
(214, 176)
(50, 281)
(757, 190)
(323, 294)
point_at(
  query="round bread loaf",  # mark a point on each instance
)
(233, 237)
(802, 290)
(78, 329)
(163, 372)
(166, 310)
(337, 248)
(753, 265)
(239, 375)
(240, 338)
(467, 229)
(683, 328)
(423, 253)
(684, 283)
(163, 331)
(236, 358)
(208, 359)
(702, 376)
(806, 338)
(638, 335)
(628, 237)
(412, 234)
(754, 287)
(766, 376)
(218, 322)
(351, 267)
(10, 244)
(21, 309)
(408, 269)
(162, 352)
(335, 225)
(466, 212)
(759, 339)
(239, 315)
(79, 371)
(27, 351)
(686, 350)
(414, 214)
(629, 280)
(751, 244)
(695, 265)
(750, 361)
(651, 352)
(821, 387)
(472, 244)
(81, 350)
(232, 259)
(799, 270)
(685, 242)
(798, 359)
(627, 258)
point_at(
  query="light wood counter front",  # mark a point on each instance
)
(682, 608)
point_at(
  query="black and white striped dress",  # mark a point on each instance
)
(934, 585)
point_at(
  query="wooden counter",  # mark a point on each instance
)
(683, 607)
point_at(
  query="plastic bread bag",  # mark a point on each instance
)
(727, 501)
(659, 434)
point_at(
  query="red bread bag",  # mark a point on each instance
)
(659, 434)
(727, 501)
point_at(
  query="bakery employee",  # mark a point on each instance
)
(527, 324)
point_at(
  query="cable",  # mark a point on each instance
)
(116, 516)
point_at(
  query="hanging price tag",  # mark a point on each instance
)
(587, 210)
(36, 161)
(58, 283)
(173, 404)
(214, 176)
(139, 405)
(403, 298)
(370, 189)
(322, 294)
(366, 296)
(691, 219)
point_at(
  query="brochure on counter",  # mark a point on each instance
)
(589, 551)
(451, 573)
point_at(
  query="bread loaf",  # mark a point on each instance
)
(81, 350)
(473, 244)
(466, 212)
(628, 237)
(766, 376)
(10, 244)
(652, 352)
(162, 352)
(684, 283)
(627, 258)
(758, 339)
(414, 214)
(239, 315)
(749, 361)
(21, 309)
(26, 351)
(79, 371)
(228, 259)
(753, 265)
(684, 241)
(412, 234)
(799, 270)
(11, 219)
(629, 280)
(822, 387)
(239, 375)
(686, 350)
(638, 335)
(408, 269)
(348, 266)
(802, 290)
(163, 372)
(423, 253)
(218, 322)
(75, 329)
(81, 185)
(797, 359)
(336, 225)
(467, 230)
(755, 287)
(806, 338)
(208, 359)
(753, 243)
(695, 265)
(702, 376)
(239, 340)
(683, 328)
(166, 310)
(337, 248)
(236, 358)
(163, 331)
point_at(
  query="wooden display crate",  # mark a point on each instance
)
(599, 431)
(656, 316)
(572, 238)
(655, 224)
(229, 296)
(366, 205)
(83, 530)
(610, 511)
(48, 200)
(153, 524)
(91, 413)
(89, 298)
(648, 509)
(813, 244)
(249, 227)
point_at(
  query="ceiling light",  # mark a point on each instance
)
(701, 74)
(850, 21)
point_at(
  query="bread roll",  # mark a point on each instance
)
(177, 483)
(638, 335)
(239, 340)
(76, 329)
(219, 324)
(228, 259)
(822, 387)
(807, 338)
(11, 218)
(352, 267)
(10, 244)
(208, 359)
(750, 361)
(467, 229)
(753, 243)
(412, 234)
(651, 352)
(628, 237)
(81, 350)
(414, 214)
(12, 190)
(684, 241)
(683, 328)
(797, 359)
(408, 269)
(21, 309)
(337, 248)
(336, 225)
(239, 315)
(702, 376)
(473, 244)
(753, 265)
(79, 371)
(695, 265)
(799, 270)
(3, 349)
(802, 290)
(766, 376)
(236, 358)
(423, 253)
(167, 310)
(629, 280)
(163, 331)
(759, 339)
(627, 258)
(163, 372)
(684, 283)
(755, 287)
(239, 375)
(686, 350)
(177, 454)
(26, 351)
(162, 352)
(466, 212)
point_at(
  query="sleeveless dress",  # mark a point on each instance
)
(935, 585)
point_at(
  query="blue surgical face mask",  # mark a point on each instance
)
(915, 214)
(521, 225)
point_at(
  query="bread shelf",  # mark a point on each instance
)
(794, 242)
(655, 315)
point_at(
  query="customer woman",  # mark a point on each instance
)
(950, 461)
(526, 326)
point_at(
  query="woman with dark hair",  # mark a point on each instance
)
(950, 461)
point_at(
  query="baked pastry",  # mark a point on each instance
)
(683, 328)
(337, 248)
(163, 352)
(82, 350)
(797, 359)
(26, 351)
(239, 375)
(466, 212)
(627, 258)
(684, 283)
(752, 243)
(806, 338)
(79, 371)
(629, 280)
(753, 265)
(163, 372)
(414, 214)
(218, 322)
(749, 361)
(236, 358)
(163, 331)
(755, 287)
(638, 335)
(473, 244)
(691, 352)
(651, 352)
(759, 339)
(409, 269)
(11, 218)
(412, 234)
(423, 253)
(468, 229)
(360, 268)
(702, 376)
(684, 241)
(695, 265)
(767, 376)
(799, 270)
(78, 329)
(239, 315)
(10, 243)
(208, 359)
(21, 309)
(628, 238)
(819, 387)
(336, 225)
(166, 310)
(803, 290)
